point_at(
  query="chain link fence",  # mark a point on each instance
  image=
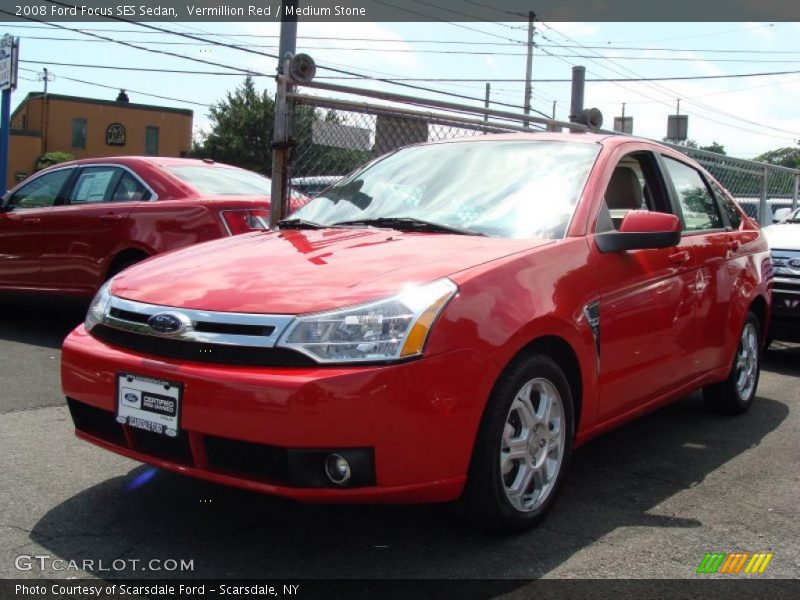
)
(337, 140)
(333, 137)
(760, 189)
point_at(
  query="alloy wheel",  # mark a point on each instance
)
(532, 448)
(747, 362)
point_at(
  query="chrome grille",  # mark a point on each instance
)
(786, 264)
(207, 327)
(213, 337)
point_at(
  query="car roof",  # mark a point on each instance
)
(538, 136)
(159, 161)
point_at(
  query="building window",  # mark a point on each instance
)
(79, 133)
(151, 141)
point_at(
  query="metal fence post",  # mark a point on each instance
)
(762, 204)
(281, 146)
(796, 186)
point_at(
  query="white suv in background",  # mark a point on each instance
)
(784, 242)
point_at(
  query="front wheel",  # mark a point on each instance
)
(735, 395)
(523, 447)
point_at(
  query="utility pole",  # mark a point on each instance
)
(47, 77)
(529, 66)
(282, 130)
(486, 103)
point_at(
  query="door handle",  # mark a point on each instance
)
(733, 245)
(679, 257)
(32, 221)
(111, 217)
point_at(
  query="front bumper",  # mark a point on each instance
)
(417, 420)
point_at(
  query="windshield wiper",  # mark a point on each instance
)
(299, 224)
(409, 224)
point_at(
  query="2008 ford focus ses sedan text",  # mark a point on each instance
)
(446, 324)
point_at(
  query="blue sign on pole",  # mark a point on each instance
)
(9, 51)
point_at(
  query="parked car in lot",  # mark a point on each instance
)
(445, 324)
(70, 227)
(784, 241)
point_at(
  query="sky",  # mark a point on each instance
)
(747, 115)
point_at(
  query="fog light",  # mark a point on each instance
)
(337, 469)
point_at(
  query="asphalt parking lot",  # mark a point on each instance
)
(645, 501)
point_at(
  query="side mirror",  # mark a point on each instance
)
(781, 214)
(642, 230)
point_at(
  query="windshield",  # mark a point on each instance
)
(223, 181)
(514, 189)
(793, 217)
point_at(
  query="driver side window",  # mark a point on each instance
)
(42, 192)
(634, 185)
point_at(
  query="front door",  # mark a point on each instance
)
(646, 305)
(21, 229)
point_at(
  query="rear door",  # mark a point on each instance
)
(646, 334)
(82, 234)
(21, 228)
(713, 244)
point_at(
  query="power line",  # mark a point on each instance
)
(607, 46)
(112, 87)
(467, 15)
(706, 35)
(501, 10)
(419, 14)
(249, 72)
(125, 68)
(594, 79)
(696, 103)
(419, 79)
(135, 46)
(435, 51)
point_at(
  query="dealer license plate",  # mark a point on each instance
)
(148, 403)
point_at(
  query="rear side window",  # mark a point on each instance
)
(94, 184)
(734, 216)
(41, 192)
(129, 189)
(697, 204)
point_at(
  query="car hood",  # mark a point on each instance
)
(291, 272)
(785, 236)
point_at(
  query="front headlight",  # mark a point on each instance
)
(97, 309)
(389, 329)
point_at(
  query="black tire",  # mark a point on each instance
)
(729, 396)
(484, 501)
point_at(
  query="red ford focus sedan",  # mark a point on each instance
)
(447, 323)
(70, 227)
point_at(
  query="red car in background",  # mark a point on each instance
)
(69, 228)
(446, 323)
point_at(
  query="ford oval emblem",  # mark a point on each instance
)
(795, 263)
(169, 322)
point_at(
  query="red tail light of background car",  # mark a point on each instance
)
(243, 221)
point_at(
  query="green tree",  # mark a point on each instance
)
(684, 143)
(714, 147)
(241, 129)
(241, 134)
(48, 159)
(786, 157)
